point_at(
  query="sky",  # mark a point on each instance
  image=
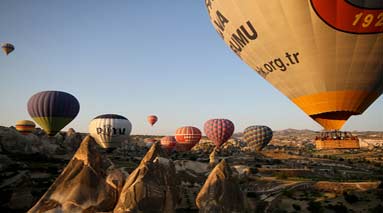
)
(136, 58)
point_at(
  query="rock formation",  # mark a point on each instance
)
(11, 141)
(72, 140)
(152, 186)
(212, 159)
(221, 192)
(191, 171)
(18, 190)
(70, 132)
(84, 185)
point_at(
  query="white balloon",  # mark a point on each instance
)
(110, 130)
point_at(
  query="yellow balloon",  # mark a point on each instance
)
(25, 126)
(326, 56)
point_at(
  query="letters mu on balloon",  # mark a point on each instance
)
(333, 46)
(240, 38)
(110, 131)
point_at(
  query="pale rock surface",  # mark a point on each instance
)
(194, 166)
(152, 186)
(191, 171)
(221, 192)
(11, 141)
(116, 178)
(70, 132)
(72, 140)
(84, 184)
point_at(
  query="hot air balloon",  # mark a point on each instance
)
(258, 136)
(25, 126)
(152, 119)
(168, 143)
(7, 48)
(53, 110)
(187, 137)
(324, 55)
(110, 130)
(219, 130)
(149, 141)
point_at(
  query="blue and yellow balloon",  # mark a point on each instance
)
(53, 110)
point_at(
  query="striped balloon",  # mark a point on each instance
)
(187, 137)
(219, 130)
(110, 130)
(168, 143)
(152, 119)
(25, 126)
(53, 110)
(258, 136)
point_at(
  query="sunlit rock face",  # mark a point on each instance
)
(85, 185)
(221, 192)
(152, 186)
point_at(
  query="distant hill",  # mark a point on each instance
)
(295, 132)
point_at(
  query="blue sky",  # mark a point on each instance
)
(137, 58)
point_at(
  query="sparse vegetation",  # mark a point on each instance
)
(379, 194)
(350, 198)
(377, 209)
(251, 194)
(281, 176)
(338, 208)
(315, 207)
(287, 193)
(260, 207)
(296, 207)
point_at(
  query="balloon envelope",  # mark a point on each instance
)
(324, 55)
(258, 136)
(152, 119)
(110, 130)
(25, 126)
(187, 137)
(149, 141)
(7, 48)
(168, 143)
(53, 110)
(219, 130)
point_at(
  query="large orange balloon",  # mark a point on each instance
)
(326, 56)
